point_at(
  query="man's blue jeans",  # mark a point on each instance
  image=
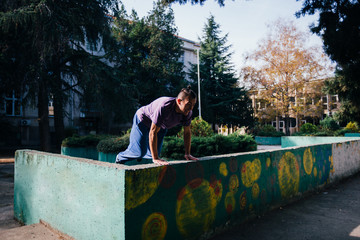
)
(139, 142)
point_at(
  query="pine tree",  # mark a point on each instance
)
(55, 33)
(222, 100)
(150, 52)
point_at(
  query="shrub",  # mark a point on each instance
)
(329, 124)
(83, 141)
(114, 144)
(323, 134)
(267, 131)
(308, 128)
(199, 128)
(173, 147)
(341, 132)
(353, 127)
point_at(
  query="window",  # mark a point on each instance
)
(51, 106)
(13, 104)
(182, 58)
(309, 101)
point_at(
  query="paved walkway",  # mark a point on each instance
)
(9, 228)
(333, 214)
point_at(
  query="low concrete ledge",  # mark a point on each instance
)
(186, 200)
(84, 152)
(295, 141)
(268, 140)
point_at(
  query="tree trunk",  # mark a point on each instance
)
(58, 110)
(43, 114)
(277, 123)
(287, 125)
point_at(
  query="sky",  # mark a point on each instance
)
(245, 21)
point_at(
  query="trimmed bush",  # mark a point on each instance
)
(342, 132)
(199, 128)
(353, 127)
(323, 134)
(83, 141)
(308, 128)
(267, 131)
(329, 124)
(114, 144)
(173, 147)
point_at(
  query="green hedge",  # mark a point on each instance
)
(267, 131)
(114, 144)
(83, 141)
(173, 147)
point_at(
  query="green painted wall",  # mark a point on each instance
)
(82, 198)
(186, 200)
(352, 134)
(90, 153)
(192, 199)
(305, 141)
(107, 157)
(110, 158)
(268, 140)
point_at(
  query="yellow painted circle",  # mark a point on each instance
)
(257, 169)
(243, 200)
(229, 202)
(250, 172)
(234, 183)
(140, 186)
(255, 191)
(155, 227)
(268, 162)
(196, 209)
(218, 190)
(223, 169)
(315, 171)
(308, 161)
(289, 175)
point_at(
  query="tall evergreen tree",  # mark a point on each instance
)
(55, 33)
(150, 53)
(223, 101)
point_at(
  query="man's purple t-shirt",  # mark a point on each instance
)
(162, 112)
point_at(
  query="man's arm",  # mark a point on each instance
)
(153, 145)
(187, 143)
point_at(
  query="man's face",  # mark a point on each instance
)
(186, 105)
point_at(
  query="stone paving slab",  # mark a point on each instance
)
(35, 231)
(332, 214)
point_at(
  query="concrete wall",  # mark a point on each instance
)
(185, 200)
(268, 140)
(79, 197)
(305, 140)
(88, 152)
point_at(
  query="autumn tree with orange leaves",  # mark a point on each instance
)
(282, 69)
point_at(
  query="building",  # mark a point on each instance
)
(20, 123)
(307, 106)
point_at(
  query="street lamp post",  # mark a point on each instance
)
(198, 70)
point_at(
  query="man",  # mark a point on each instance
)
(150, 125)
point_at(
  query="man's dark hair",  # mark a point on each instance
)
(187, 92)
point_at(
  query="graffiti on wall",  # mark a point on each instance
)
(189, 199)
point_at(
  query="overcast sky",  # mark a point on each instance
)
(244, 20)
